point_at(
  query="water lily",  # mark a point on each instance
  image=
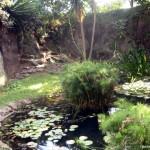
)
(70, 142)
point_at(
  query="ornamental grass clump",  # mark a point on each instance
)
(89, 84)
(128, 127)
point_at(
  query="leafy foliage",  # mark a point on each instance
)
(89, 84)
(114, 5)
(142, 1)
(21, 11)
(14, 85)
(120, 27)
(135, 63)
(127, 128)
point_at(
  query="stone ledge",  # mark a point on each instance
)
(11, 107)
(6, 112)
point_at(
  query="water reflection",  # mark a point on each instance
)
(51, 146)
(85, 124)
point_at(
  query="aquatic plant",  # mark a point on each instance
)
(42, 120)
(33, 127)
(55, 134)
(70, 142)
(83, 142)
(89, 84)
(137, 89)
(128, 127)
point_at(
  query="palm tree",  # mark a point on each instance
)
(21, 11)
(77, 7)
(93, 31)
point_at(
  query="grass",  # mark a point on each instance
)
(32, 87)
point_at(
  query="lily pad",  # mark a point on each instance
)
(71, 129)
(73, 126)
(55, 141)
(70, 142)
(88, 142)
(137, 89)
(82, 138)
(83, 141)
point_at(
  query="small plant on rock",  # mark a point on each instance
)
(89, 84)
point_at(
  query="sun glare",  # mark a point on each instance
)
(37, 86)
(107, 2)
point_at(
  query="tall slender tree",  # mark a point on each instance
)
(131, 3)
(93, 31)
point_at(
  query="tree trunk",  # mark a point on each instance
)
(131, 3)
(93, 31)
(83, 38)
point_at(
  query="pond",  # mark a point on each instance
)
(46, 125)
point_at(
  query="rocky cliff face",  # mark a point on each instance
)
(116, 32)
(9, 50)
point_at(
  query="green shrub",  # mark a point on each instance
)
(127, 128)
(135, 63)
(89, 84)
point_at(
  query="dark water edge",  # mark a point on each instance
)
(87, 126)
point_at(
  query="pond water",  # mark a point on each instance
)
(47, 125)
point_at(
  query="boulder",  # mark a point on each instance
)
(3, 77)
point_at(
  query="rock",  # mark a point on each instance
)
(25, 67)
(24, 71)
(17, 75)
(4, 146)
(35, 63)
(26, 75)
(26, 101)
(1, 118)
(3, 78)
(12, 106)
(5, 111)
(20, 77)
(39, 69)
(9, 109)
(30, 71)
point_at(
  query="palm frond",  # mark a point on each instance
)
(21, 11)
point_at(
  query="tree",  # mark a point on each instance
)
(114, 5)
(131, 3)
(77, 7)
(21, 12)
(93, 31)
(140, 2)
